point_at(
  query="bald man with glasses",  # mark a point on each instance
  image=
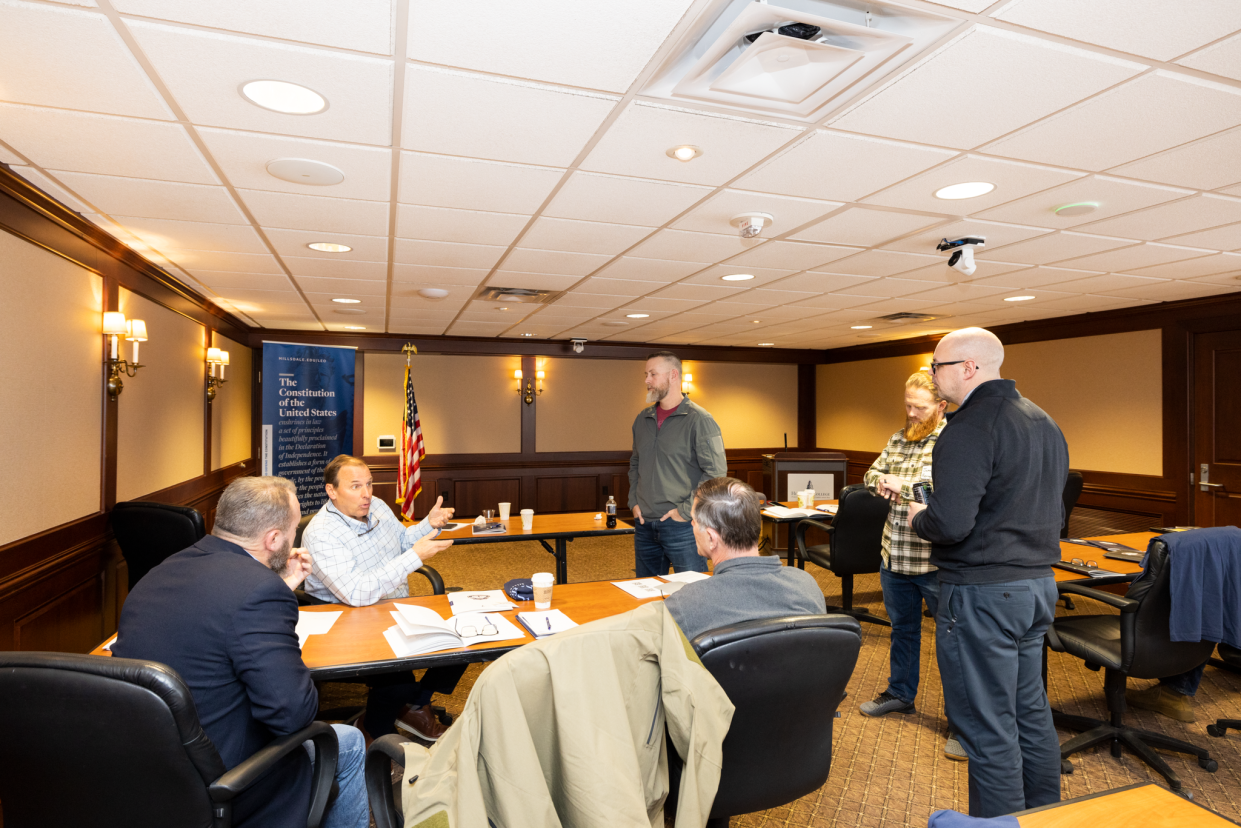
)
(993, 520)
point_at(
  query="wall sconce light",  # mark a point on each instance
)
(215, 357)
(686, 381)
(134, 330)
(529, 390)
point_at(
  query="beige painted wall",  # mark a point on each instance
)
(160, 423)
(51, 419)
(1105, 392)
(467, 404)
(589, 404)
(755, 404)
(230, 419)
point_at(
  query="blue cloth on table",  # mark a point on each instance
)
(520, 589)
(956, 819)
(1205, 584)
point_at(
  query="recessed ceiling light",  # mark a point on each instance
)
(305, 171)
(1017, 298)
(355, 327)
(860, 327)
(282, 96)
(766, 344)
(527, 334)
(685, 152)
(347, 301)
(637, 315)
(970, 189)
(754, 321)
(432, 293)
(501, 309)
(738, 277)
(329, 247)
(1080, 208)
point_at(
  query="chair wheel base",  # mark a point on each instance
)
(1208, 765)
(1066, 767)
(1217, 732)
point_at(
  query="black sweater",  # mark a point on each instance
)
(999, 469)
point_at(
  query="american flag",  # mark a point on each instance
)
(413, 449)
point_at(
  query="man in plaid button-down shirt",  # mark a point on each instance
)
(360, 554)
(906, 576)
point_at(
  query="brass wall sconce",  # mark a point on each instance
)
(215, 357)
(529, 390)
(686, 381)
(115, 325)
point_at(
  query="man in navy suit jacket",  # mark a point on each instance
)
(222, 614)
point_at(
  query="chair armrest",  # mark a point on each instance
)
(251, 770)
(380, 756)
(1120, 602)
(437, 583)
(799, 533)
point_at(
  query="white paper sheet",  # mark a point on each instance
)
(642, 588)
(314, 623)
(479, 600)
(685, 577)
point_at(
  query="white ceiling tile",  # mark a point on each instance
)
(837, 301)
(366, 28)
(1172, 291)
(335, 268)
(1107, 283)
(680, 245)
(1224, 58)
(583, 236)
(548, 42)
(960, 292)
(637, 143)
(424, 276)
(791, 255)
(762, 275)
(478, 328)
(222, 280)
(194, 261)
(55, 189)
(903, 288)
(1142, 255)
(1021, 78)
(616, 287)
(1012, 180)
(704, 293)
(321, 291)
(1204, 165)
(840, 167)
(7, 156)
(589, 300)
(821, 282)
(297, 243)
(649, 270)
(1113, 196)
(1194, 268)
(155, 199)
(881, 263)
(1150, 28)
(71, 59)
(1227, 237)
(554, 261)
(996, 234)
(610, 198)
(204, 71)
(1040, 295)
(1055, 247)
(662, 307)
(1033, 277)
(276, 323)
(81, 142)
(534, 281)
(470, 226)
(1231, 280)
(865, 227)
(446, 254)
(244, 156)
(1119, 124)
(940, 272)
(715, 214)
(163, 234)
(457, 113)
(1176, 219)
(442, 181)
(327, 215)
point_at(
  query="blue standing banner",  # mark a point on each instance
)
(307, 414)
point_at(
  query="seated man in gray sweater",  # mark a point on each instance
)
(745, 586)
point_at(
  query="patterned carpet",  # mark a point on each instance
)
(891, 771)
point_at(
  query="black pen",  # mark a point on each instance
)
(549, 622)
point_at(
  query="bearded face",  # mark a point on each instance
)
(656, 392)
(918, 430)
(922, 413)
(279, 560)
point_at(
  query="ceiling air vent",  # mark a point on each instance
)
(907, 317)
(792, 57)
(527, 296)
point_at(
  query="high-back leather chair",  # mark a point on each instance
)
(117, 741)
(854, 547)
(1136, 643)
(1072, 491)
(149, 532)
(301, 527)
(777, 752)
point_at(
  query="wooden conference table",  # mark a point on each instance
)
(559, 528)
(1144, 804)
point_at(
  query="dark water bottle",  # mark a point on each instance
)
(611, 510)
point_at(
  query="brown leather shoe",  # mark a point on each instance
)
(421, 722)
(1163, 701)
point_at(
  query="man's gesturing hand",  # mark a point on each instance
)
(439, 515)
(637, 513)
(426, 548)
(297, 569)
(889, 486)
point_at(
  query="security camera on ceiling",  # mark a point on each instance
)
(751, 224)
(962, 258)
(579, 345)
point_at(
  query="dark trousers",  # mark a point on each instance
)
(658, 544)
(1186, 683)
(902, 598)
(989, 644)
(389, 693)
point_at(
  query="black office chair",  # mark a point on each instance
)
(117, 741)
(1072, 491)
(777, 752)
(1229, 659)
(855, 545)
(301, 527)
(150, 532)
(1136, 643)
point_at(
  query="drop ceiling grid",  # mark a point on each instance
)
(540, 210)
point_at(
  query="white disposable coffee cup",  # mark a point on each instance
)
(504, 510)
(805, 499)
(527, 519)
(542, 582)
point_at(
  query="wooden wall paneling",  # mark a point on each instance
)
(359, 398)
(111, 428)
(807, 416)
(472, 496)
(57, 604)
(67, 623)
(577, 493)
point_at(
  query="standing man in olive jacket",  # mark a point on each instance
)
(993, 521)
(676, 446)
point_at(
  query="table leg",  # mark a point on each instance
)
(562, 560)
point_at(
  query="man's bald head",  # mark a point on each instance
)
(966, 359)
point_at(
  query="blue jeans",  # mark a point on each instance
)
(1186, 683)
(902, 598)
(349, 809)
(658, 544)
(989, 644)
